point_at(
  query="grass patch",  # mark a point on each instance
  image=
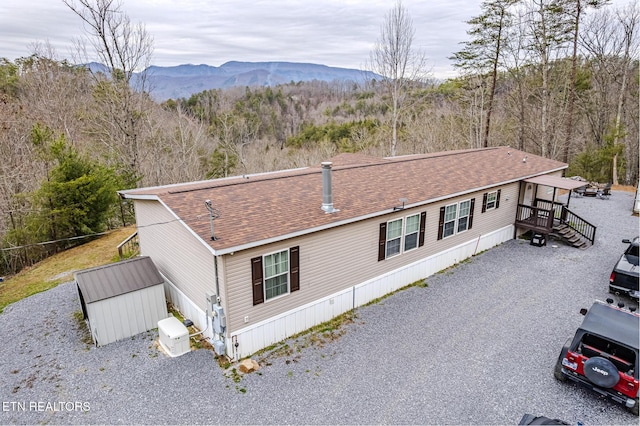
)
(60, 267)
(420, 283)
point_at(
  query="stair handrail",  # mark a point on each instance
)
(578, 224)
(131, 244)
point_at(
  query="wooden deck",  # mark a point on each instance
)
(541, 219)
(537, 219)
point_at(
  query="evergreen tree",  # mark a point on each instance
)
(482, 53)
(78, 195)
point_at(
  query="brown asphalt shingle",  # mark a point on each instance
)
(272, 205)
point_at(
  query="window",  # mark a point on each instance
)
(455, 218)
(394, 236)
(463, 215)
(449, 220)
(400, 235)
(490, 200)
(275, 274)
(411, 230)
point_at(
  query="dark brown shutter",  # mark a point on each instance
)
(256, 280)
(294, 272)
(473, 204)
(423, 224)
(498, 199)
(441, 223)
(382, 242)
(484, 202)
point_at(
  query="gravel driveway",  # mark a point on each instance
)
(477, 345)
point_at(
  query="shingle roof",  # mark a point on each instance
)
(271, 206)
(116, 279)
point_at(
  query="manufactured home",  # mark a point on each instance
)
(254, 259)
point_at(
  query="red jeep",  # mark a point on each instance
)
(603, 354)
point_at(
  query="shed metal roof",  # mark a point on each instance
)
(104, 282)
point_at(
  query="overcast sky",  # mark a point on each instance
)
(337, 33)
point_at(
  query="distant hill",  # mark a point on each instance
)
(184, 80)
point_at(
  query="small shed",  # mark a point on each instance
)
(122, 299)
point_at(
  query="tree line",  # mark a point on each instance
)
(553, 78)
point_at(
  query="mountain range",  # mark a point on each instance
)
(182, 81)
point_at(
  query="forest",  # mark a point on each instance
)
(556, 78)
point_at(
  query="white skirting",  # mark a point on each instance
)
(263, 334)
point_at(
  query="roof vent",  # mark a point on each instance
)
(327, 190)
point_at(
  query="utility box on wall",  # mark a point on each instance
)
(219, 319)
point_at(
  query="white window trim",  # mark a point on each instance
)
(264, 276)
(386, 255)
(468, 215)
(495, 200)
(403, 235)
(456, 219)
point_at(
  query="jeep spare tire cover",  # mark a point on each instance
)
(601, 372)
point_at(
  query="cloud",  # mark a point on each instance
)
(330, 32)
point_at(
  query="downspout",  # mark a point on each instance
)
(215, 267)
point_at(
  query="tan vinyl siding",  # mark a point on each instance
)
(546, 192)
(177, 253)
(345, 256)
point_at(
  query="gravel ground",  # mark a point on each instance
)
(476, 346)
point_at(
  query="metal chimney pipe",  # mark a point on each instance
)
(327, 190)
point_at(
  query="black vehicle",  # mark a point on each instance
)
(603, 354)
(624, 277)
(530, 419)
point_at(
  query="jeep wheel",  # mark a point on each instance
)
(557, 371)
(602, 372)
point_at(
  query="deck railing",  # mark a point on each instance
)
(129, 247)
(550, 205)
(535, 218)
(578, 224)
(540, 218)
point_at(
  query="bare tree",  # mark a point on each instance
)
(610, 39)
(628, 20)
(575, 9)
(123, 47)
(548, 31)
(394, 58)
(125, 50)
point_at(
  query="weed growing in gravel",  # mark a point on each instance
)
(234, 375)
(83, 330)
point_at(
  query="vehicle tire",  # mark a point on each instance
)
(600, 371)
(557, 371)
(634, 409)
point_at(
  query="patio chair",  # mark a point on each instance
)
(579, 192)
(605, 192)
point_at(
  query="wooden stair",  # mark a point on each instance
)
(570, 237)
